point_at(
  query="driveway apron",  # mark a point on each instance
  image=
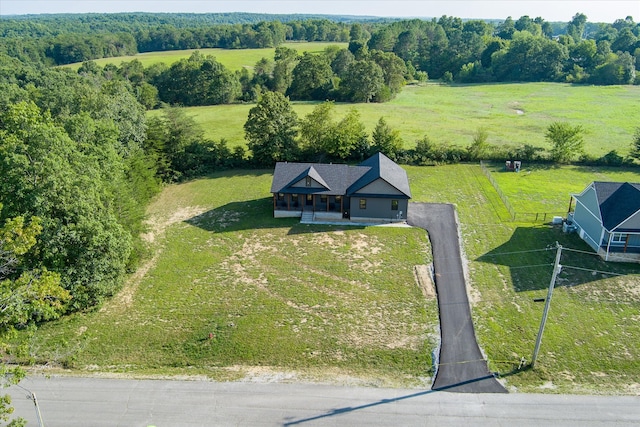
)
(461, 366)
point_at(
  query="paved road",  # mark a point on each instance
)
(462, 367)
(95, 402)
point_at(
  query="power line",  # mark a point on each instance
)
(593, 271)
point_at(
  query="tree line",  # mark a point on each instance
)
(449, 48)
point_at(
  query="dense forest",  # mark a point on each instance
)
(79, 160)
(525, 49)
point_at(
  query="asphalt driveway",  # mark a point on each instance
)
(461, 367)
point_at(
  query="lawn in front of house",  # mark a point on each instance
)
(232, 291)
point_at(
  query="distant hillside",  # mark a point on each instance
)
(54, 24)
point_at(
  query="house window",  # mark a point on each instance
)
(323, 199)
(307, 181)
(280, 197)
(363, 203)
(338, 198)
(619, 238)
(294, 198)
(394, 205)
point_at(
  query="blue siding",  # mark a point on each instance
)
(589, 224)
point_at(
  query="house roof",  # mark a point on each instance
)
(380, 166)
(618, 201)
(339, 179)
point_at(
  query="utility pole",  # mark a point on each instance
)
(32, 396)
(556, 270)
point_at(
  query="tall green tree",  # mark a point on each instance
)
(566, 141)
(386, 140)
(285, 61)
(271, 130)
(575, 28)
(311, 78)
(46, 175)
(364, 80)
(635, 144)
(198, 80)
(350, 137)
(26, 296)
(317, 129)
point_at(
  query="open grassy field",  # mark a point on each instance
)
(232, 292)
(540, 188)
(233, 59)
(512, 114)
(291, 301)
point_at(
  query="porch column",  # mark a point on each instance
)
(288, 202)
(626, 243)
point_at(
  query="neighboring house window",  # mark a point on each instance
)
(619, 238)
(363, 203)
(394, 205)
(308, 181)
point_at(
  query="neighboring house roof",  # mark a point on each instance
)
(617, 201)
(339, 179)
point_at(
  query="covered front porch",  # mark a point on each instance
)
(293, 204)
(620, 246)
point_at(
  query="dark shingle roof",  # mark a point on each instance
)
(618, 201)
(339, 179)
(380, 166)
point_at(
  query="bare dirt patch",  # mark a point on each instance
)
(422, 274)
(157, 226)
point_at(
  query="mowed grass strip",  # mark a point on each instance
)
(513, 114)
(233, 287)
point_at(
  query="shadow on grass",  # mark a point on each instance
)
(238, 216)
(530, 254)
(255, 214)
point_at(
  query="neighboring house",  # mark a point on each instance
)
(375, 190)
(607, 217)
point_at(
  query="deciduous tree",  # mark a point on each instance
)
(566, 141)
(271, 130)
(386, 140)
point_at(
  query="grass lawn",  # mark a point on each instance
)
(591, 342)
(513, 114)
(546, 188)
(232, 290)
(328, 302)
(233, 59)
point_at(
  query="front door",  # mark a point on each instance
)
(309, 201)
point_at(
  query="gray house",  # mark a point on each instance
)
(607, 217)
(375, 190)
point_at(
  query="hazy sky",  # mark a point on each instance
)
(563, 10)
